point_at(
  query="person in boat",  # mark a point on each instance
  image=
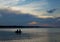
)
(18, 31)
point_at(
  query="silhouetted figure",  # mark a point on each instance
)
(18, 31)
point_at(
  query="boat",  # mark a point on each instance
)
(18, 31)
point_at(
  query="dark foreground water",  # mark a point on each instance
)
(31, 35)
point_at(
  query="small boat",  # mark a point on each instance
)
(18, 31)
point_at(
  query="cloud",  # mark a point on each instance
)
(0, 15)
(9, 11)
(14, 12)
(33, 23)
(46, 17)
(17, 10)
(36, 8)
(27, 8)
(51, 10)
(14, 17)
(33, 7)
(8, 2)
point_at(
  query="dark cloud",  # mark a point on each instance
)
(9, 11)
(10, 17)
(51, 10)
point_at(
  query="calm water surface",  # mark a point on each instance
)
(31, 35)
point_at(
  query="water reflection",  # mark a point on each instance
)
(31, 35)
(4, 35)
(54, 35)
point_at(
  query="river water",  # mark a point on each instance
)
(30, 35)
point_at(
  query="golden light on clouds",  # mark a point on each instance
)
(26, 10)
(33, 23)
(45, 16)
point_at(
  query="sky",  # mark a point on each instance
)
(30, 12)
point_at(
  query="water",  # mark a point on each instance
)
(31, 35)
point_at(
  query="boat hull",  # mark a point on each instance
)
(18, 32)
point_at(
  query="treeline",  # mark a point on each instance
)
(28, 27)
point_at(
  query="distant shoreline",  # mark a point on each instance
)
(28, 27)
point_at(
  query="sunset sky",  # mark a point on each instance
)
(30, 12)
